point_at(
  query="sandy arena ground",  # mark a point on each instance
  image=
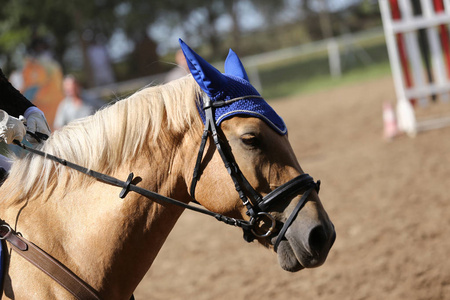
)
(389, 202)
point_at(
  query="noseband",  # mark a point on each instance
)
(258, 206)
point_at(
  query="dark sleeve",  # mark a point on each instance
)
(11, 100)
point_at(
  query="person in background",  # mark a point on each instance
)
(42, 78)
(73, 106)
(15, 110)
(180, 70)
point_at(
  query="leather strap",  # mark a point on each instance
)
(47, 264)
(6, 233)
(258, 204)
(292, 217)
(287, 190)
(231, 165)
(128, 186)
(198, 162)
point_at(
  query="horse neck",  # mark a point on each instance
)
(111, 242)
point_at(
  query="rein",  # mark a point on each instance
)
(128, 186)
(47, 264)
(56, 270)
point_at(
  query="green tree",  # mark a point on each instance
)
(21, 20)
(68, 21)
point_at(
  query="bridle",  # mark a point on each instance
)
(258, 206)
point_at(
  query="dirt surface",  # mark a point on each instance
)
(388, 200)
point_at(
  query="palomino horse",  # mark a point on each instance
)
(110, 242)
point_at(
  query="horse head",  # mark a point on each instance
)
(267, 185)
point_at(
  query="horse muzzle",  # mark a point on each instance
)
(305, 245)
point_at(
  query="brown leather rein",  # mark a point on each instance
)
(47, 264)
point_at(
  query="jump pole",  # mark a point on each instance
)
(423, 43)
(402, 25)
(396, 15)
(445, 42)
(399, 65)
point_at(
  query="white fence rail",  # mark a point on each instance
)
(334, 47)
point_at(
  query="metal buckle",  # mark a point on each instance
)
(258, 219)
(2, 237)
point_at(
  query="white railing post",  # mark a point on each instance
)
(334, 58)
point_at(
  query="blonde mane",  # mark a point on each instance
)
(110, 137)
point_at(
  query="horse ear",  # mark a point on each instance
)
(210, 80)
(234, 66)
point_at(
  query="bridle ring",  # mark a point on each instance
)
(9, 230)
(270, 230)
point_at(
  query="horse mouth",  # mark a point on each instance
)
(294, 256)
(287, 259)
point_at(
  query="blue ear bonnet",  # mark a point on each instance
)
(230, 87)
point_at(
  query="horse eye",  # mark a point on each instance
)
(249, 139)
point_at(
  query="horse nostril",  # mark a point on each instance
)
(318, 240)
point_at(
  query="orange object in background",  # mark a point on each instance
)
(42, 85)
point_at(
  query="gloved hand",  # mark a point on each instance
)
(36, 122)
(11, 128)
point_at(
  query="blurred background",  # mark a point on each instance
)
(325, 62)
(124, 45)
